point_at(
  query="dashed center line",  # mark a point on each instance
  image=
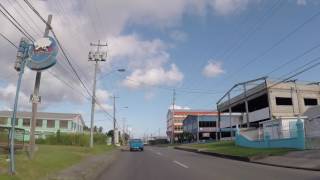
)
(180, 164)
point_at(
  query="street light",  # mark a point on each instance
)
(116, 70)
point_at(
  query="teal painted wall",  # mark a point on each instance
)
(297, 142)
(43, 130)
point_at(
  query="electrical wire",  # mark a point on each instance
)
(9, 41)
(65, 55)
(276, 44)
(18, 25)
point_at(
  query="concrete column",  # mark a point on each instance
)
(230, 116)
(246, 104)
(218, 131)
(269, 100)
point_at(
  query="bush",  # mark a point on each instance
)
(75, 139)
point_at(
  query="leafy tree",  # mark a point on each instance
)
(110, 133)
(100, 129)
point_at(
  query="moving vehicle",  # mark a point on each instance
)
(135, 144)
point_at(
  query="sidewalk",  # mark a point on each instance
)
(308, 159)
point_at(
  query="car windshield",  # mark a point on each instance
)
(135, 141)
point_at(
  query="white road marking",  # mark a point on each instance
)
(159, 153)
(180, 164)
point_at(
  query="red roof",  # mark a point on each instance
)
(195, 113)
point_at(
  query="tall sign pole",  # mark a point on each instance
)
(19, 66)
(96, 57)
(35, 98)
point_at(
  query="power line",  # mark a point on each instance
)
(64, 53)
(24, 19)
(294, 59)
(255, 27)
(276, 44)
(18, 25)
(28, 16)
(303, 67)
(10, 42)
(262, 20)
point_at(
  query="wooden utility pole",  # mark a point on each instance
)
(35, 98)
(96, 57)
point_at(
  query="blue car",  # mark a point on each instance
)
(136, 144)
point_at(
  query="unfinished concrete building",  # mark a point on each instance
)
(262, 99)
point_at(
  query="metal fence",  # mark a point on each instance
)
(4, 138)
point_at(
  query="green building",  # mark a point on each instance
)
(47, 123)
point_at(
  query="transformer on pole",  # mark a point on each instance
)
(95, 56)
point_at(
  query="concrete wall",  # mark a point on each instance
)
(297, 142)
(295, 91)
(44, 130)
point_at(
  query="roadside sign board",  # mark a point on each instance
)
(43, 54)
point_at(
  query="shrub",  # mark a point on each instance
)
(76, 139)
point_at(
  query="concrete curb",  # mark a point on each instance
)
(87, 169)
(243, 159)
(238, 158)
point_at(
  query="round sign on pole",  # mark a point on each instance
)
(43, 54)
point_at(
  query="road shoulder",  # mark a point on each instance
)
(88, 169)
(288, 161)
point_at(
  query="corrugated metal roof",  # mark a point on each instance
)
(43, 115)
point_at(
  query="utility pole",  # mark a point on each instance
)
(114, 121)
(96, 56)
(172, 117)
(35, 98)
(19, 66)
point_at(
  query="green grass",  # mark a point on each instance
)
(49, 159)
(229, 148)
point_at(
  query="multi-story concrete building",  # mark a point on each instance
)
(47, 123)
(204, 127)
(175, 120)
(262, 99)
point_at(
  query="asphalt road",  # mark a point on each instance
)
(168, 164)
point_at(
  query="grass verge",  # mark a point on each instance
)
(229, 148)
(48, 159)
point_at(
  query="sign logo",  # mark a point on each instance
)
(43, 54)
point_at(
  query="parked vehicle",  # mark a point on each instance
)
(136, 144)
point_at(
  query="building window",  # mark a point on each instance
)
(50, 123)
(207, 124)
(63, 124)
(310, 102)
(3, 120)
(178, 128)
(283, 101)
(39, 122)
(26, 122)
(16, 122)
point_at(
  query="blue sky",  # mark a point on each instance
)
(196, 47)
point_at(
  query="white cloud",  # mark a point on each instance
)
(153, 77)
(213, 69)
(226, 7)
(7, 95)
(104, 99)
(77, 23)
(179, 107)
(103, 95)
(302, 2)
(104, 107)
